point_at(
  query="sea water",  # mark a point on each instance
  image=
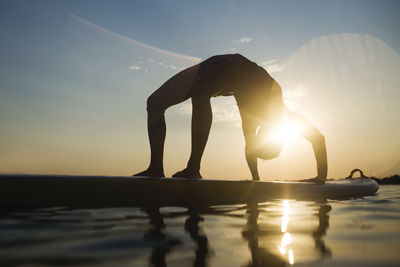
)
(355, 232)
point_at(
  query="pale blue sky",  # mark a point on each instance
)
(195, 28)
(73, 87)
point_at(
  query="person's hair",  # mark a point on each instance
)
(269, 150)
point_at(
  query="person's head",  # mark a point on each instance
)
(267, 147)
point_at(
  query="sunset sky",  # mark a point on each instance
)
(75, 76)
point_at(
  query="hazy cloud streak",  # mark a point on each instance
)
(272, 66)
(223, 111)
(244, 40)
(293, 95)
(135, 67)
(119, 36)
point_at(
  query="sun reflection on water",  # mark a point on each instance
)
(286, 239)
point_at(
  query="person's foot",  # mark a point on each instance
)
(187, 173)
(150, 173)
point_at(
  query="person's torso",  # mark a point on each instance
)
(255, 91)
(230, 74)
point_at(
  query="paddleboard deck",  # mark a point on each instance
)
(113, 191)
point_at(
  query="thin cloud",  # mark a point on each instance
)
(135, 67)
(293, 95)
(244, 40)
(121, 37)
(223, 111)
(227, 111)
(151, 64)
(269, 62)
(173, 67)
(272, 66)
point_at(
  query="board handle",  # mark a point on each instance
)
(354, 171)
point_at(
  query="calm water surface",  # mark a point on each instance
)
(358, 232)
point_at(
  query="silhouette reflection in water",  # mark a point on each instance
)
(260, 256)
(320, 232)
(155, 235)
(259, 236)
(198, 236)
(162, 246)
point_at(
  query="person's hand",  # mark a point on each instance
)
(316, 180)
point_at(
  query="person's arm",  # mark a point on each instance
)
(317, 140)
(249, 131)
(252, 162)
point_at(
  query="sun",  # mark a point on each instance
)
(286, 132)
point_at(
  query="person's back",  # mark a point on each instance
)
(225, 75)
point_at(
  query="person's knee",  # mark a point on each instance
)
(155, 104)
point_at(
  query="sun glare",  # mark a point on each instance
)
(286, 132)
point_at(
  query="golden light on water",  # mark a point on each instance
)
(291, 257)
(286, 239)
(285, 217)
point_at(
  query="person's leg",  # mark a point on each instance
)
(201, 124)
(156, 129)
(172, 92)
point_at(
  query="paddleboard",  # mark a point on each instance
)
(112, 191)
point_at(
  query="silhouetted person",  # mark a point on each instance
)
(259, 99)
